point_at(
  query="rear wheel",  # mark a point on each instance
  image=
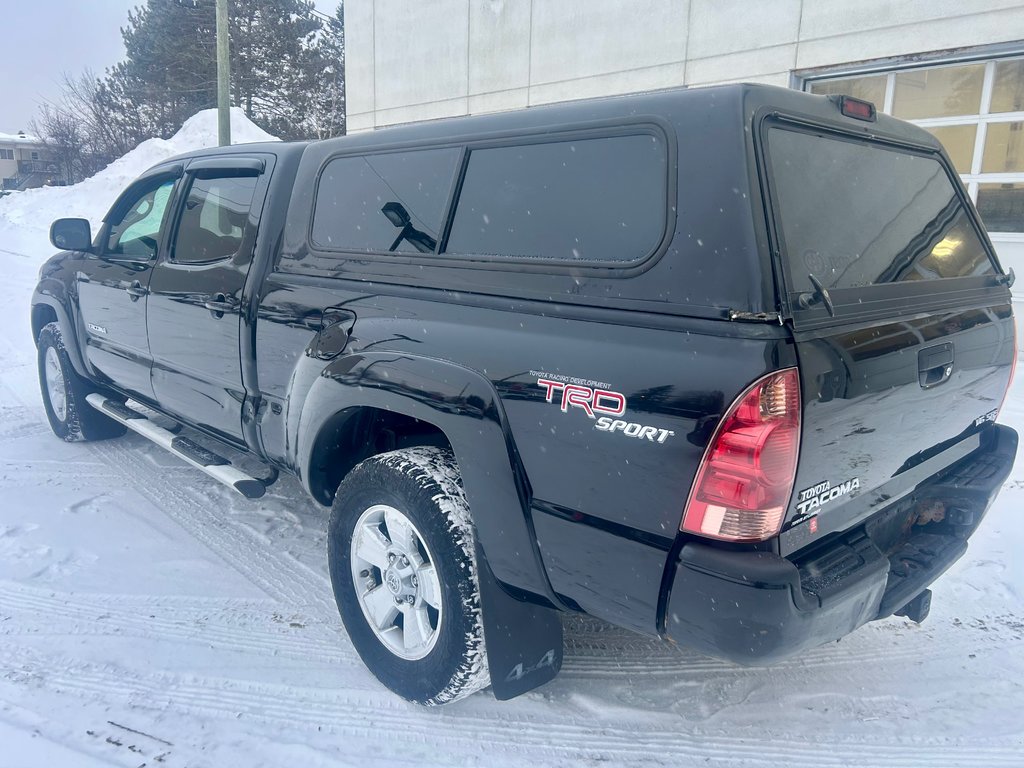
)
(403, 566)
(71, 417)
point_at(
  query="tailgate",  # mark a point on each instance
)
(902, 320)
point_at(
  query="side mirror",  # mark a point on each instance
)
(71, 234)
(396, 214)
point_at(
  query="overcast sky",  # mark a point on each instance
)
(45, 38)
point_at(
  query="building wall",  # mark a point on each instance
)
(8, 168)
(22, 151)
(414, 61)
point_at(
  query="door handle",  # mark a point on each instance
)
(218, 304)
(935, 365)
(136, 291)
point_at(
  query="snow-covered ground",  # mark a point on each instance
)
(148, 616)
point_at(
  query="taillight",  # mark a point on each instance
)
(856, 108)
(749, 467)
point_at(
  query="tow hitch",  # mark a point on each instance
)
(917, 609)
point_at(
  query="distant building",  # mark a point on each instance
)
(25, 162)
(955, 68)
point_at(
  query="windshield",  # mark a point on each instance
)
(857, 213)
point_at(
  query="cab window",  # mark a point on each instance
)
(214, 218)
(137, 232)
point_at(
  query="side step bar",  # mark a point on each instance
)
(215, 466)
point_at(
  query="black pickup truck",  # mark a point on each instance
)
(719, 365)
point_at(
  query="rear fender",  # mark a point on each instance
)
(464, 406)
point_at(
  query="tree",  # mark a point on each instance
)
(287, 74)
(77, 129)
(327, 110)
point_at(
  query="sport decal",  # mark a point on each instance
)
(594, 398)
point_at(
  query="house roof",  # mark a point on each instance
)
(18, 138)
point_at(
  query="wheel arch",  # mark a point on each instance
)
(443, 402)
(49, 305)
(355, 433)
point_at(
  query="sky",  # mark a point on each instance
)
(46, 38)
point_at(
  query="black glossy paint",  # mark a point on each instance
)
(326, 346)
(871, 411)
(112, 306)
(194, 314)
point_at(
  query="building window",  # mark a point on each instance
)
(6, 154)
(35, 155)
(975, 109)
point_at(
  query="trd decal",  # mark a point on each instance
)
(632, 429)
(593, 398)
(578, 396)
(811, 499)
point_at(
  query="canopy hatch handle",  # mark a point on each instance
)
(808, 299)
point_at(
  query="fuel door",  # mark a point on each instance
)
(335, 329)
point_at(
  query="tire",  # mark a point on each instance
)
(71, 417)
(441, 657)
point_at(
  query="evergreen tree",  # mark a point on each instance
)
(327, 109)
(287, 68)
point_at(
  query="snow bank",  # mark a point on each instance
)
(30, 213)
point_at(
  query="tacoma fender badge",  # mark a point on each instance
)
(990, 416)
(97, 328)
(809, 500)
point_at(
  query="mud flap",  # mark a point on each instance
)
(524, 640)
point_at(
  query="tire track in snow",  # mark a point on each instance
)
(196, 510)
(475, 730)
(230, 623)
(255, 626)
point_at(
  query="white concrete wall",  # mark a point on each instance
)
(411, 60)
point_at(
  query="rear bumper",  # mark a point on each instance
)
(758, 607)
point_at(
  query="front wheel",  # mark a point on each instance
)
(71, 417)
(403, 566)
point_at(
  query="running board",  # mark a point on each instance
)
(215, 466)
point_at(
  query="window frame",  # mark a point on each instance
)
(864, 303)
(640, 125)
(458, 169)
(990, 57)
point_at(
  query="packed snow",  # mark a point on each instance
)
(151, 617)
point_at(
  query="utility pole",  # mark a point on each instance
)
(223, 76)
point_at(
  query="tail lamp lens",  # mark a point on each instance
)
(746, 477)
(857, 108)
